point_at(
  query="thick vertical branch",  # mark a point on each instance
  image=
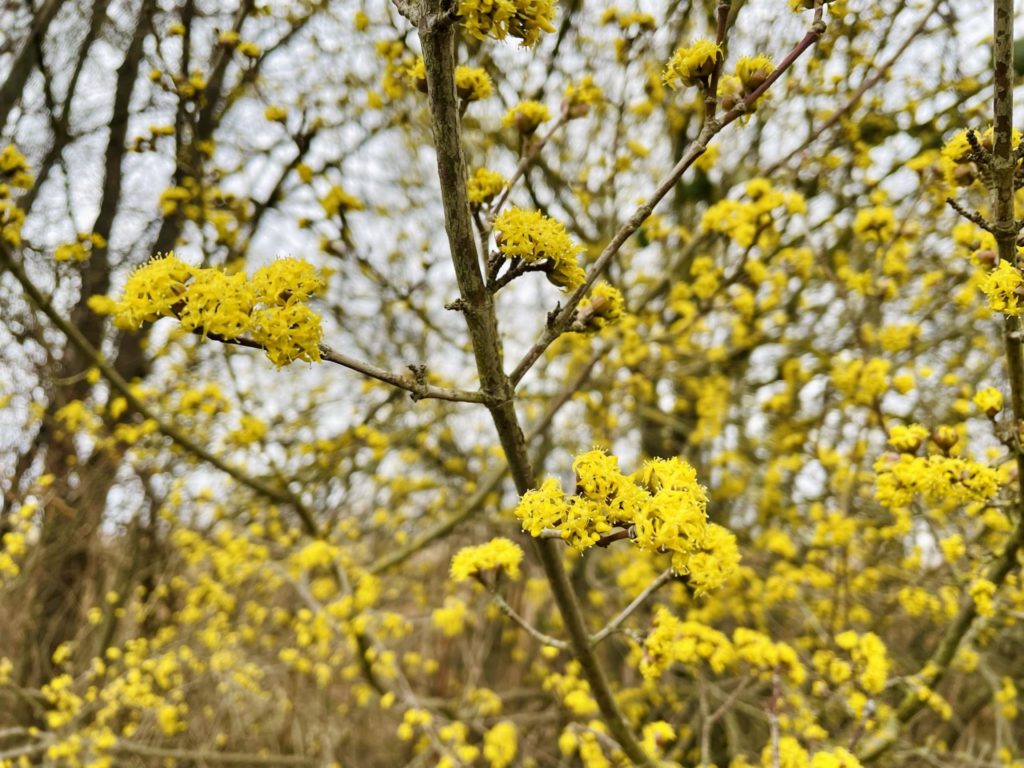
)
(437, 37)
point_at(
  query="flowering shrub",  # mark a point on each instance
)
(737, 485)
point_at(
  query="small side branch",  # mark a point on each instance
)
(532, 631)
(663, 578)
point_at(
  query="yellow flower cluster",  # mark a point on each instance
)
(501, 744)
(472, 83)
(907, 439)
(936, 478)
(496, 19)
(870, 659)
(692, 65)
(752, 71)
(526, 116)
(989, 400)
(270, 308)
(14, 544)
(602, 307)
(955, 162)
(792, 754)
(337, 200)
(485, 185)
(1002, 286)
(499, 552)
(579, 97)
(80, 250)
(14, 172)
(877, 223)
(535, 238)
(693, 643)
(862, 381)
(662, 505)
(751, 221)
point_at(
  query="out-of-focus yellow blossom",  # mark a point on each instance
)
(878, 223)
(80, 250)
(451, 618)
(1007, 698)
(337, 200)
(484, 185)
(581, 96)
(753, 220)
(908, 438)
(472, 83)
(526, 117)
(501, 744)
(275, 113)
(791, 754)
(837, 758)
(499, 552)
(989, 400)
(870, 658)
(862, 381)
(982, 592)
(937, 479)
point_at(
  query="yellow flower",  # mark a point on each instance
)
(526, 116)
(692, 64)
(217, 303)
(989, 400)
(535, 238)
(14, 168)
(878, 223)
(153, 290)
(907, 439)
(451, 619)
(1001, 285)
(285, 282)
(752, 71)
(275, 114)
(500, 744)
(496, 19)
(485, 185)
(288, 333)
(602, 307)
(499, 552)
(472, 83)
(337, 200)
(579, 97)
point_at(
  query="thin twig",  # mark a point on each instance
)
(532, 631)
(663, 578)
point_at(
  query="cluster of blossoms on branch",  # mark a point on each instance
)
(662, 507)
(536, 239)
(937, 477)
(270, 309)
(498, 19)
(14, 172)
